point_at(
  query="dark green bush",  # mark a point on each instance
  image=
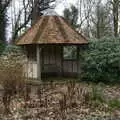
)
(12, 49)
(114, 104)
(2, 47)
(101, 61)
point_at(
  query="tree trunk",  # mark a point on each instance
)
(115, 16)
(35, 12)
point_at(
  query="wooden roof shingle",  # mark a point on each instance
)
(51, 30)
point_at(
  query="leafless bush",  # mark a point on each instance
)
(40, 93)
(27, 92)
(63, 102)
(11, 78)
(71, 89)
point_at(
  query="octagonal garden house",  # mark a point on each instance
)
(45, 43)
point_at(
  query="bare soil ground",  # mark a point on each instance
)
(66, 101)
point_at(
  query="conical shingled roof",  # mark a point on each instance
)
(51, 30)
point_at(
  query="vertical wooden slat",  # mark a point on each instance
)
(72, 66)
(38, 62)
(78, 61)
(55, 53)
(49, 54)
(62, 69)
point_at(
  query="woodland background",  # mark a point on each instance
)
(64, 99)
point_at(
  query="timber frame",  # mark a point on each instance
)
(44, 43)
(49, 62)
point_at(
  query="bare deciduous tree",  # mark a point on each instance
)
(116, 5)
(30, 11)
(3, 19)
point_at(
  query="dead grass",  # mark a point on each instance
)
(11, 79)
(66, 101)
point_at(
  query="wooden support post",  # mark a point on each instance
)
(78, 61)
(38, 62)
(62, 60)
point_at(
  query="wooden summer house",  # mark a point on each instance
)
(52, 48)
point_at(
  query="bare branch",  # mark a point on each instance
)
(6, 4)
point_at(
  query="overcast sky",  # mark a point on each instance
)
(67, 3)
(60, 6)
(64, 4)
